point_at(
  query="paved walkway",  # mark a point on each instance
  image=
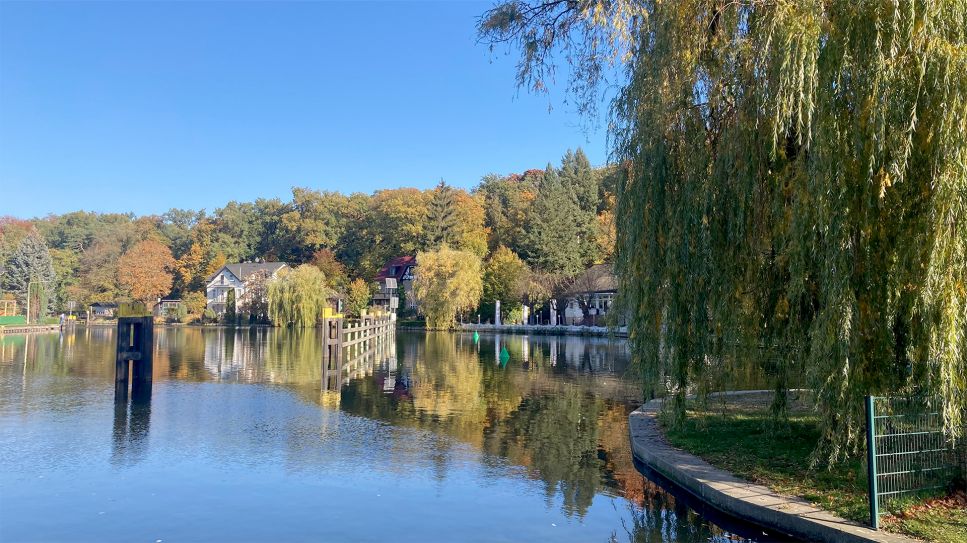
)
(739, 498)
(546, 329)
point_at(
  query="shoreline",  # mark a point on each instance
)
(29, 329)
(547, 330)
(737, 497)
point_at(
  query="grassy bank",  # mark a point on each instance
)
(737, 434)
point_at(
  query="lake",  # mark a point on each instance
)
(506, 438)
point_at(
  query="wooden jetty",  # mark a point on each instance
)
(352, 346)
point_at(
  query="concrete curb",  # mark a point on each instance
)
(548, 330)
(739, 498)
(29, 329)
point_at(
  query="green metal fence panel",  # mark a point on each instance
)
(908, 452)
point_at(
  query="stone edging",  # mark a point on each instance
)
(739, 498)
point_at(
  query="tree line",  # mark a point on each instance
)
(555, 221)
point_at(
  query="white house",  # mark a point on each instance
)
(236, 277)
(593, 291)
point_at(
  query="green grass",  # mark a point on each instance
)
(12, 320)
(948, 524)
(743, 442)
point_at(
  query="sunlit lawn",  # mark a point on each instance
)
(742, 440)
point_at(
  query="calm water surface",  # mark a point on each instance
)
(439, 439)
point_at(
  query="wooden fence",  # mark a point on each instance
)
(352, 346)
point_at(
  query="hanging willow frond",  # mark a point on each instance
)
(796, 197)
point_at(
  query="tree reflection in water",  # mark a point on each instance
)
(552, 411)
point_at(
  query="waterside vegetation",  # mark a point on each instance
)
(797, 190)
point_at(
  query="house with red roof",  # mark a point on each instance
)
(395, 279)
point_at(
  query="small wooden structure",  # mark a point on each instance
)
(349, 344)
(135, 352)
(8, 308)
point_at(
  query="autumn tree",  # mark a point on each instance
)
(358, 295)
(144, 271)
(447, 282)
(334, 270)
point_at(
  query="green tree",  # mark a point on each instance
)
(358, 296)
(580, 180)
(230, 307)
(239, 228)
(447, 282)
(441, 219)
(553, 229)
(313, 220)
(797, 189)
(194, 303)
(392, 225)
(579, 177)
(297, 297)
(505, 278)
(29, 267)
(505, 203)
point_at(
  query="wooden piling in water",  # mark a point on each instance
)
(134, 356)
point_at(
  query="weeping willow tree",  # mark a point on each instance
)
(797, 188)
(447, 283)
(298, 297)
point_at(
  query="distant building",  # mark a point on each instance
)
(394, 278)
(167, 307)
(594, 290)
(103, 310)
(236, 277)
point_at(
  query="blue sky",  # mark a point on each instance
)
(142, 107)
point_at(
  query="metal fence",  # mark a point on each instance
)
(908, 453)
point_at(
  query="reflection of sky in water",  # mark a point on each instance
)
(438, 439)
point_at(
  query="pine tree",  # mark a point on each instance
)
(582, 185)
(31, 263)
(441, 222)
(553, 233)
(578, 176)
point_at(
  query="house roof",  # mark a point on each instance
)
(109, 305)
(597, 278)
(400, 262)
(243, 270)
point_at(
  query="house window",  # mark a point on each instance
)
(393, 270)
(221, 279)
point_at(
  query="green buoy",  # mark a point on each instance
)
(504, 355)
(476, 337)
